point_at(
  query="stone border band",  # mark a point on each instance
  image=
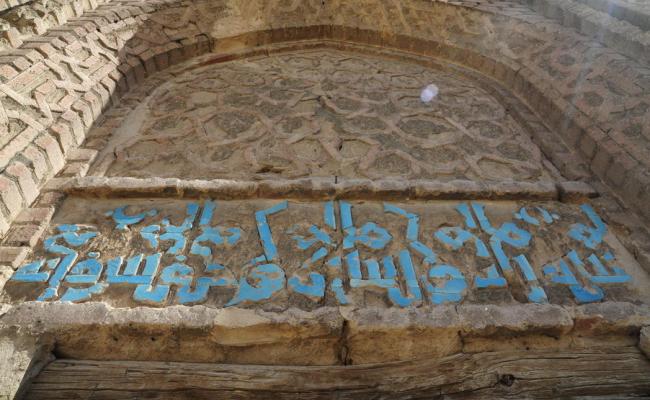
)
(323, 188)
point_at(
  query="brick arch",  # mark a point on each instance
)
(56, 86)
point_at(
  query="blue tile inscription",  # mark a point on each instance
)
(406, 260)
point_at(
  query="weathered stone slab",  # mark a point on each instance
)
(22, 355)
(610, 318)
(644, 341)
(325, 189)
(344, 335)
(179, 333)
(274, 254)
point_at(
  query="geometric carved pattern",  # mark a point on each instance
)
(319, 113)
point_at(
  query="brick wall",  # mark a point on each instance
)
(21, 19)
(56, 85)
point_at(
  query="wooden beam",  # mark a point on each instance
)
(618, 372)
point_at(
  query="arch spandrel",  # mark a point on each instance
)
(259, 183)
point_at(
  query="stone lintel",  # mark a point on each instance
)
(327, 188)
(325, 336)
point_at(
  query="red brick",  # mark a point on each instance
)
(38, 161)
(64, 136)
(95, 103)
(7, 72)
(53, 151)
(111, 87)
(86, 112)
(47, 87)
(104, 96)
(75, 125)
(22, 63)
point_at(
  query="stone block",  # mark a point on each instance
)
(66, 101)
(13, 256)
(353, 188)
(22, 355)
(482, 320)
(148, 59)
(575, 191)
(610, 318)
(377, 336)
(37, 159)
(46, 88)
(24, 235)
(392, 188)
(35, 215)
(75, 169)
(50, 199)
(197, 334)
(644, 341)
(282, 188)
(56, 184)
(570, 166)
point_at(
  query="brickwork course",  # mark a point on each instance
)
(540, 100)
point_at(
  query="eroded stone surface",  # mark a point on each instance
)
(644, 341)
(319, 114)
(233, 335)
(22, 354)
(325, 336)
